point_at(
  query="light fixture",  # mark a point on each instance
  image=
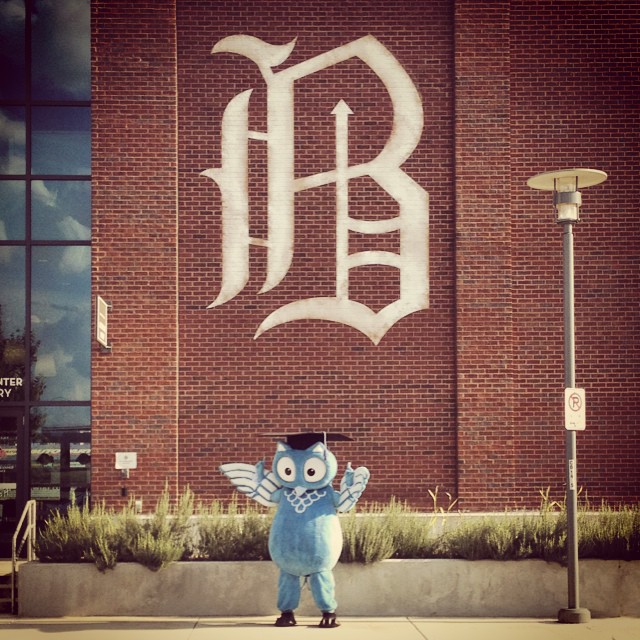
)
(567, 199)
(565, 185)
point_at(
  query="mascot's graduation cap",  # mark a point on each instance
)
(307, 439)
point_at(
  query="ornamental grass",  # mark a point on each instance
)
(372, 532)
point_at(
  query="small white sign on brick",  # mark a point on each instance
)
(575, 417)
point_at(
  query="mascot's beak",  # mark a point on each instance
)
(299, 491)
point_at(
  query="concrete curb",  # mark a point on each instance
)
(427, 588)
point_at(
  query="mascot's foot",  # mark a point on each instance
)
(287, 619)
(328, 620)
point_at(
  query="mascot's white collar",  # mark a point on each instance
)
(305, 499)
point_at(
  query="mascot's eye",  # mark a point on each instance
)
(286, 469)
(314, 470)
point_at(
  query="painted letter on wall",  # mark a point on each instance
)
(232, 178)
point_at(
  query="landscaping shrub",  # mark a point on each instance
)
(105, 537)
(367, 539)
(379, 532)
(376, 533)
(610, 534)
(162, 538)
(232, 533)
(508, 538)
(79, 535)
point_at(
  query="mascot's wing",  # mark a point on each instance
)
(351, 487)
(251, 480)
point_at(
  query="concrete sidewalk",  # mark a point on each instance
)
(351, 628)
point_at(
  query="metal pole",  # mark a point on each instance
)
(573, 613)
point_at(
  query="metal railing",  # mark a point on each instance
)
(28, 538)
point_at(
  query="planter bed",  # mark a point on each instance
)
(438, 588)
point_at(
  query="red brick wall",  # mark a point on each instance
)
(484, 346)
(574, 89)
(466, 395)
(397, 399)
(134, 394)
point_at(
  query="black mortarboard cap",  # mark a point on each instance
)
(309, 438)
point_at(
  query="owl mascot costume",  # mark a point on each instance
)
(305, 540)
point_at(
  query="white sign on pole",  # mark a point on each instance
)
(575, 417)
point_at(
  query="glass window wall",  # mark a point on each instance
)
(12, 140)
(61, 320)
(12, 44)
(13, 343)
(45, 245)
(61, 141)
(60, 44)
(12, 210)
(60, 461)
(60, 210)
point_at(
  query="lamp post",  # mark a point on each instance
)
(567, 200)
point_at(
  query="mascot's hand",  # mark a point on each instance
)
(252, 480)
(352, 485)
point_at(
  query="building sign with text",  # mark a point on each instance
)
(8, 387)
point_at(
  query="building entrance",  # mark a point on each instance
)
(14, 475)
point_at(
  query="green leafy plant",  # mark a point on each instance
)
(376, 532)
(65, 538)
(610, 533)
(394, 530)
(163, 538)
(504, 538)
(80, 535)
(102, 536)
(367, 539)
(233, 533)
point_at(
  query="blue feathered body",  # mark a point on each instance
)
(305, 536)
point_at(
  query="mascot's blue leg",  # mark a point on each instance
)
(288, 598)
(323, 590)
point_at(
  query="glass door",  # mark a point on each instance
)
(13, 476)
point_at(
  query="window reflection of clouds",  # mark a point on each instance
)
(61, 140)
(61, 311)
(12, 208)
(12, 291)
(61, 210)
(12, 14)
(75, 260)
(12, 140)
(61, 42)
(60, 418)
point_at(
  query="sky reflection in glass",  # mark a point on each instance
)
(61, 320)
(61, 210)
(12, 140)
(61, 141)
(12, 209)
(60, 49)
(12, 50)
(12, 291)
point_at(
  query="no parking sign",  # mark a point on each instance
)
(575, 417)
